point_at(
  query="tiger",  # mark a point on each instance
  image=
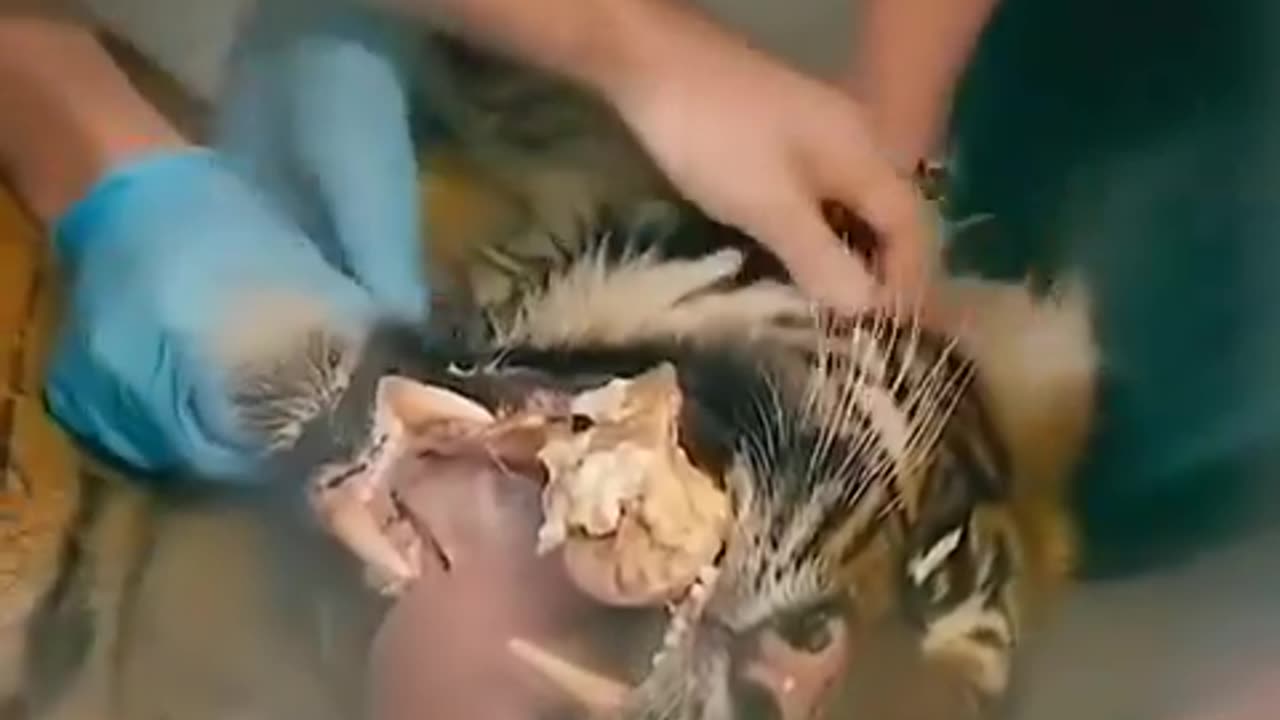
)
(124, 598)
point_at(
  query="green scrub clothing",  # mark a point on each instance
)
(1130, 139)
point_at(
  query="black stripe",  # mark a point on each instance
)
(10, 466)
(14, 389)
(63, 628)
(984, 442)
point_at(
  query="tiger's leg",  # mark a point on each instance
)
(39, 483)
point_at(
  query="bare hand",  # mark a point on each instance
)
(760, 146)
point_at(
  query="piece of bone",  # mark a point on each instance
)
(636, 519)
(600, 695)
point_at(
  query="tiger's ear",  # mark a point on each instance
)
(409, 403)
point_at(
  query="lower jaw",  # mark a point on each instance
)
(444, 652)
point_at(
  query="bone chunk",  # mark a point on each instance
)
(636, 519)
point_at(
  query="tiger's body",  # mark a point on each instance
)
(127, 602)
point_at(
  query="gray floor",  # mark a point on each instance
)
(1175, 645)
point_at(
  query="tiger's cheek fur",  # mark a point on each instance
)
(903, 670)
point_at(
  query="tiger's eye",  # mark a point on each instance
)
(809, 631)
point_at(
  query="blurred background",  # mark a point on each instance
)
(1130, 140)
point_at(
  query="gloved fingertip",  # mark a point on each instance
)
(213, 438)
(405, 302)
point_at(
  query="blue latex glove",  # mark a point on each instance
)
(312, 192)
(318, 113)
(168, 258)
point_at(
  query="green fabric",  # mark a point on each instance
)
(1127, 139)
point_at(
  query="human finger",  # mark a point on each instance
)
(317, 114)
(360, 155)
(851, 171)
(818, 261)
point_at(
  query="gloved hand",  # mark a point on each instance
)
(167, 258)
(317, 112)
(310, 194)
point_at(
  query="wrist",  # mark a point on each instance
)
(75, 114)
(909, 55)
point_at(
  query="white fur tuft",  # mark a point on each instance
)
(1038, 364)
(641, 297)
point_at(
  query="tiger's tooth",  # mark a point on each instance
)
(601, 695)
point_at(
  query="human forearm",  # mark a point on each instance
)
(908, 57)
(609, 46)
(70, 113)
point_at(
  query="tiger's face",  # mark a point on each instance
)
(856, 505)
(875, 505)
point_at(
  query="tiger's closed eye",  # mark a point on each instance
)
(810, 630)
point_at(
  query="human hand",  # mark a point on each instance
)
(172, 259)
(174, 265)
(316, 111)
(761, 146)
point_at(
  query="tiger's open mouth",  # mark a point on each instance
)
(572, 531)
(447, 645)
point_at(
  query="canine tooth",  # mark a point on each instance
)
(599, 694)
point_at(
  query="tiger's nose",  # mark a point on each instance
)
(789, 673)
